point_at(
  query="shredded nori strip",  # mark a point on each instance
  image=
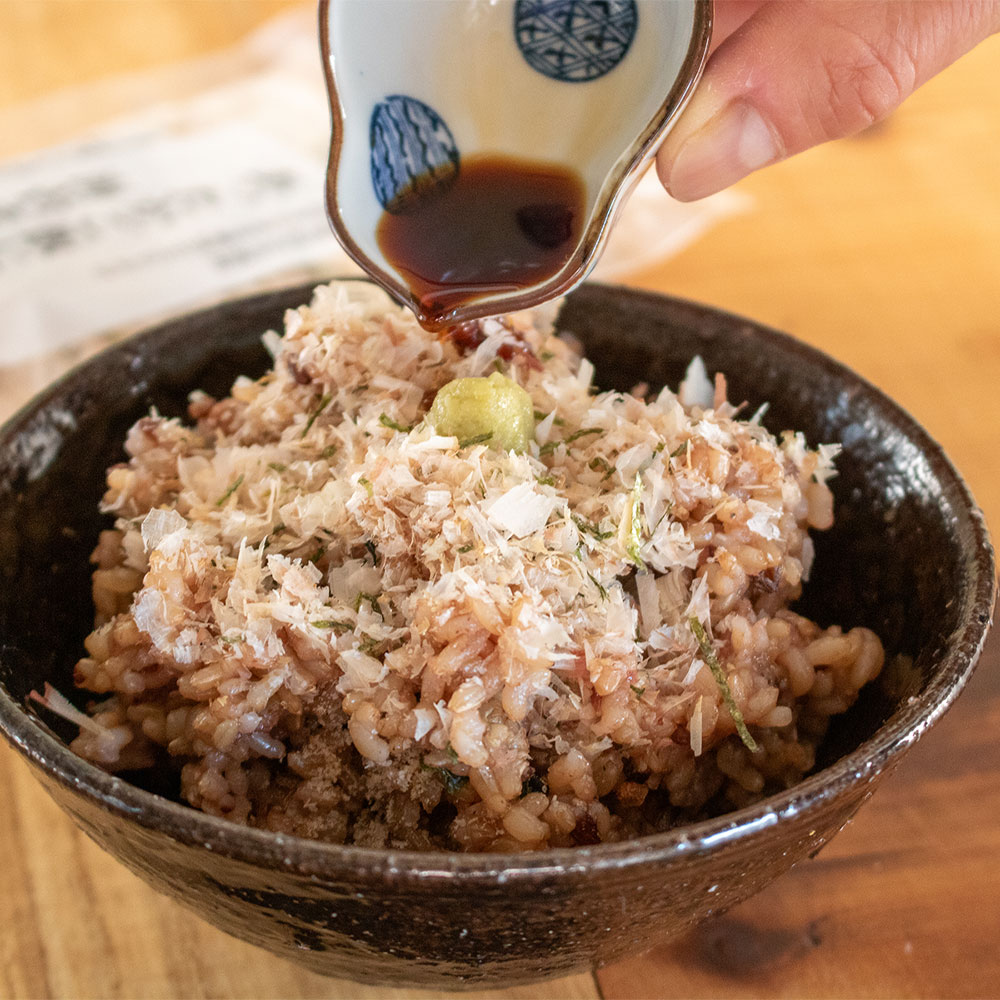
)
(337, 626)
(583, 432)
(370, 599)
(602, 465)
(550, 446)
(478, 439)
(234, 486)
(592, 529)
(386, 421)
(370, 646)
(600, 588)
(720, 678)
(323, 404)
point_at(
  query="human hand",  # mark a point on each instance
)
(785, 75)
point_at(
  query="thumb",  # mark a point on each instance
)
(800, 72)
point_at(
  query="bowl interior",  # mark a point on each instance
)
(908, 556)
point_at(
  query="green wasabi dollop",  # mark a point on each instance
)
(478, 410)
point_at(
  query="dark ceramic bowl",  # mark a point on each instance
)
(909, 557)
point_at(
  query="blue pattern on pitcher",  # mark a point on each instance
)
(575, 40)
(412, 151)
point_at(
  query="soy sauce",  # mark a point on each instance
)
(500, 225)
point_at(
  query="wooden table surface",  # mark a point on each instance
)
(885, 252)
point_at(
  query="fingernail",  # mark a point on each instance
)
(733, 143)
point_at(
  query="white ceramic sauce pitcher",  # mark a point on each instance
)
(424, 93)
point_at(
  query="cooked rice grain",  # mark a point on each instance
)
(340, 628)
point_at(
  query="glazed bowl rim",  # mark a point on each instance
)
(29, 734)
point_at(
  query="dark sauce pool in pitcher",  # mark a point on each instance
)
(500, 225)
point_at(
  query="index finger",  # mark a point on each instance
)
(729, 16)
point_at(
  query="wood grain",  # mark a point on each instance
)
(46, 45)
(884, 251)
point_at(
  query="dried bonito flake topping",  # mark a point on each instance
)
(439, 592)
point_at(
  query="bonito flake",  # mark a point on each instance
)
(312, 552)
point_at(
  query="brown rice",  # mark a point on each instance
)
(339, 623)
